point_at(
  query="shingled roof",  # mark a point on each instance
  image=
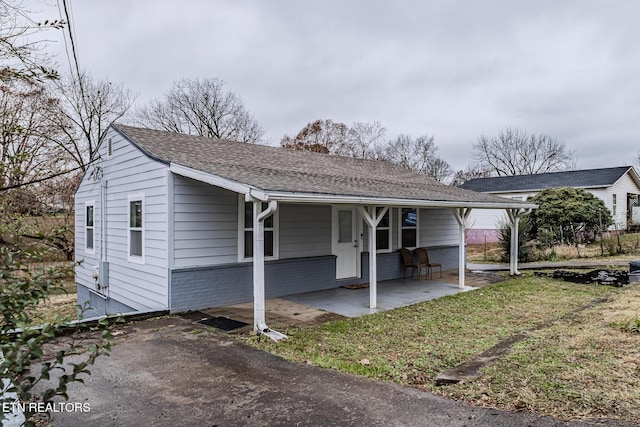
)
(588, 178)
(279, 170)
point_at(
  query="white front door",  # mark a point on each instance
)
(345, 241)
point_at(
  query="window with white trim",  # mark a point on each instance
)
(136, 228)
(408, 227)
(245, 246)
(89, 229)
(383, 232)
(615, 204)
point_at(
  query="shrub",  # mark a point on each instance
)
(25, 363)
(525, 250)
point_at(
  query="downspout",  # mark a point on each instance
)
(103, 216)
(103, 265)
(259, 322)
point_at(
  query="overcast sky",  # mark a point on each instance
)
(452, 69)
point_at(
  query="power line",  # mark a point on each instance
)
(73, 44)
(46, 178)
(64, 38)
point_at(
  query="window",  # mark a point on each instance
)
(270, 231)
(408, 227)
(383, 232)
(136, 228)
(89, 227)
(345, 226)
(615, 204)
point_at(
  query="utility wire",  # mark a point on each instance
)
(73, 44)
(64, 38)
(46, 178)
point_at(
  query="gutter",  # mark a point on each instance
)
(363, 200)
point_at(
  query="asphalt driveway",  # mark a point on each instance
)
(172, 372)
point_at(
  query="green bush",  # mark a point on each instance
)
(25, 363)
(526, 251)
(568, 215)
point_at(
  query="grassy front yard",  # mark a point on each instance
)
(586, 365)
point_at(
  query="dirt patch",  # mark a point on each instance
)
(616, 278)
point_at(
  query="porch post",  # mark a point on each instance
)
(514, 215)
(461, 215)
(259, 320)
(372, 219)
(513, 253)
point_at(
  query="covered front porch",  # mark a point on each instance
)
(312, 308)
(346, 216)
(290, 242)
(391, 294)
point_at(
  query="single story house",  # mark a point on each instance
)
(618, 188)
(181, 222)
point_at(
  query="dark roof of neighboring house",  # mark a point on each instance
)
(275, 169)
(588, 178)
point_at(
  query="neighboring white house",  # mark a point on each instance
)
(618, 188)
(166, 221)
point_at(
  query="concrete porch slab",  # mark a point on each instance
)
(313, 308)
(280, 314)
(391, 294)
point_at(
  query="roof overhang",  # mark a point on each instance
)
(218, 181)
(314, 198)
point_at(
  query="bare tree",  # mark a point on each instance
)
(27, 152)
(87, 108)
(21, 59)
(516, 152)
(205, 108)
(321, 136)
(417, 154)
(438, 169)
(360, 139)
(472, 171)
(365, 139)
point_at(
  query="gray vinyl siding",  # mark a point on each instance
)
(140, 286)
(305, 231)
(205, 224)
(87, 191)
(438, 227)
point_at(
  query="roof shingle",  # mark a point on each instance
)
(277, 169)
(588, 178)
